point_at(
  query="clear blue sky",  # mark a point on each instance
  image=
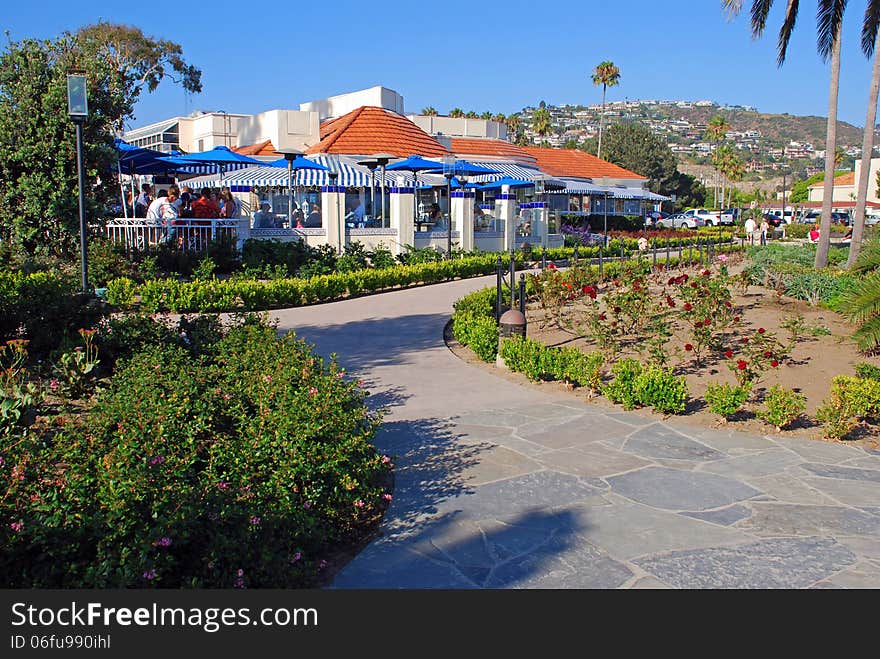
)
(484, 55)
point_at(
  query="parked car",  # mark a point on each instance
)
(728, 216)
(652, 217)
(709, 218)
(836, 218)
(774, 220)
(681, 221)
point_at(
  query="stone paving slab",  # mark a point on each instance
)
(674, 489)
(754, 464)
(793, 519)
(591, 460)
(659, 441)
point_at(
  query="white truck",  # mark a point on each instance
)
(710, 218)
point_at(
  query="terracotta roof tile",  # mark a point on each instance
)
(260, 149)
(576, 163)
(370, 129)
(491, 148)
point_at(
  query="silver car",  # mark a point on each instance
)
(681, 221)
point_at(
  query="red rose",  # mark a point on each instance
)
(774, 363)
(688, 347)
(616, 309)
(744, 339)
(687, 306)
(761, 330)
(728, 304)
(707, 322)
(741, 365)
(728, 353)
(699, 323)
(602, 316)
(736, 319)
(670, 301)
(693, 284)
(768, 354)
(706, 273)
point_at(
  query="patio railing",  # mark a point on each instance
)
(187, 234)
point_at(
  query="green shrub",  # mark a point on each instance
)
(852, 401)
(525, 356)
(621, 389)
(658, 388)
(241, 467)
(726, 400)
(539, 362)
(120, 292)
(107, 261)
(782, 407)
(867, 371)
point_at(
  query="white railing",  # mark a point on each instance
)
(187, 233)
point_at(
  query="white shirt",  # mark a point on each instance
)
(750, 225)
(154, 212)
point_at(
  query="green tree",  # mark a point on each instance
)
(456, 113)
(635, 147)
(541, 121)
(486, 115)
(716, 131)
(429, 111)
(38, 176)
(607, 75)
(470, 114)
(500, 118)
(800, 191)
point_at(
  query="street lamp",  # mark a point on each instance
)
(448, 172)
(78, 110)
(383, 159)
(604, 183)
(289, 155)
(225, 127)
(371, 165)
(333, 176)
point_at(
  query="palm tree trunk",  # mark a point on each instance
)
(867, 149)
(830, 149)
(601, 120)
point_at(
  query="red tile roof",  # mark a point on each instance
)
(259, 149)
(375, 130)
(843, 179)
(576, 163)
(490, 148)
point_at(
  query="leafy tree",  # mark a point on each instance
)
(541, 121)
(800, 191)
(635, 147)
(456, 113)
(470, 114)
(486, 115)
(429, 111)
(38, 176)
(716, 131)
(607, 75)
(500, 118)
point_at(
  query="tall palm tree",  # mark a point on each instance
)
(456, 113)
(716, 131)
(486, 115)
(500, 118)
(870, 37)
(607, 75)
(429, 111)
(541, 121)
(470, 114)
(829, 16)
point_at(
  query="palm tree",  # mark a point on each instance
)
(870, 37)
(500, 118)
(486, 115)
(541, 121)
(716, 131)
(829, 16)
(429, 111)
(607, 75)
(456, 113)
(861, 303)
(470, 114)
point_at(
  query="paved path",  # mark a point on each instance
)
(502, 486)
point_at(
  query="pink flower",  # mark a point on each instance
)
(313, 391)
(164, 541)
(296, 557)
(157, 460)
(307, 505)
(255, 520)
(387, 497)
(226, 396)
(267, 378)
(149, 575)
(358, 504)
(722, 258)
(54, 384)
(385, 459)
(16, 526)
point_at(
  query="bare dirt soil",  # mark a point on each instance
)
(822, 353)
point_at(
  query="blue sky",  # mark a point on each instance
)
(484, 55)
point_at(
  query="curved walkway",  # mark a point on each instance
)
(500, 486)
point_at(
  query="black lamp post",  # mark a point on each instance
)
(289, 155)
(78, 109)
(333, 176)
(371, 165)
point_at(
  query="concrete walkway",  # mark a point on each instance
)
(501, 486)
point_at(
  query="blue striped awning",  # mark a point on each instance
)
(351, 175)
(577, 186)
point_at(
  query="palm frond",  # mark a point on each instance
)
(732, 8)
(869, 257)
(760, 9)
(862, 302)
(785, 31)
(829, 16)
(867, 336)
(870, 26)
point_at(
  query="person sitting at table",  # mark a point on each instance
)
(435, 215)
(205, 207)
(262, 218)
(313, 219)
(355, 217)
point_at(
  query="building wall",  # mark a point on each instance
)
(460, 127)
(336, 106)
(287, 129)
(849, 192)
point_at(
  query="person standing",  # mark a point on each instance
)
(170, 212)
(154, 211)
(765, 227)
(231, 209)
(143, 201)
(205, 208)
(749, 227)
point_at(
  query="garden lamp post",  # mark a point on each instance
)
(78, 110)
(383, 159)
(604, 183)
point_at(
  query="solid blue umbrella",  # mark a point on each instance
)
(507, 180)
(221, 156)
(463, 168)
(134, 160)
(297, 163)
(414, 163)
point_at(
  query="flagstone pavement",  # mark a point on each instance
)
(503, 486)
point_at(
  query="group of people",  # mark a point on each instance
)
(301, 217)
(754, 233)
(175, 202)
